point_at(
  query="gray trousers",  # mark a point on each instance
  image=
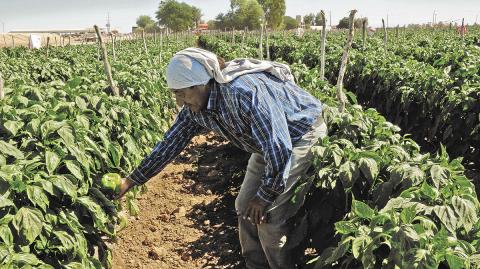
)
(271, 244)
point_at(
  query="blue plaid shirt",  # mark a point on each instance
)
(256, 112)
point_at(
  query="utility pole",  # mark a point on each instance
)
(108, 23)
(434, 18)
(330, 19)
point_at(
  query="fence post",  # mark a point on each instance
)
(462, 31)
(2, 93)
(343, 66)
(385, 36)
(364, 32)
(323, 21)
(114, 54)
(261, 43)
(144, 42)
(108, 69)
(13, 41)
(48, 45)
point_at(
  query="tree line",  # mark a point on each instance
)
(243, 14)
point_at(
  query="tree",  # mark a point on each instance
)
(177, 16)
(345, 23)
(249, 14)
(212, 25)
(318, 19)
(289, 23)
(243, 13)
(274, 12)
(144, 20)
(309, 19)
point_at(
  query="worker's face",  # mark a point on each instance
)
(195, 97)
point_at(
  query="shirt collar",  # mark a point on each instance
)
(213, 98)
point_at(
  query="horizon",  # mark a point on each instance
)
(56, 14)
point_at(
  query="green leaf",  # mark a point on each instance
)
(66, 242)
(99, 217)
(5, 202)
(348, 174)
(362, 210)
(6, 234)
(439, 175)
(67, 136)
(454, 261)
(52, 161)
(80, 103)
(50, 126)
(29, 223)
(64, 185)
(345, 227)
(369, 168)
(358, 245)
(13, 126)
(465, 211)
(408, 214)
(132, 207)
(447, 217)
(116, 154)
(74, 169)
(10, 150)
(37, 196)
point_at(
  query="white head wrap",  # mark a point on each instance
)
(194, 66)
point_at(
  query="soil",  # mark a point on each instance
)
(187, 217)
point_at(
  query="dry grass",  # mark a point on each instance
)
(7, 40)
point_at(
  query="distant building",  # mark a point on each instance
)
(319, 28)
(299, 19)
(202, 26)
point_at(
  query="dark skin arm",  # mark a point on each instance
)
(256, 211)
(125, 185)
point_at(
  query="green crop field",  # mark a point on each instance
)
(391, 189)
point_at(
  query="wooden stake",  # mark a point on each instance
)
(4, 40)
(233, 35)
(364, 32)
(396, 31)
(48, 45)
(69, 40)
(13, 41)
(144, 42)
(323, 21)
(385, 36)
(243, 37)
(267, 43)
(113, 47)
(260, 52)
(462, 31)
(155, 36)
(108, 69)
(161, 46)
(2, 93)
(342, 99)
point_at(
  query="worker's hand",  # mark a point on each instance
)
(255, 211)
(125, 185)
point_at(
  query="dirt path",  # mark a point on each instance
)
(187, 217)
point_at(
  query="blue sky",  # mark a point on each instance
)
(55, 14)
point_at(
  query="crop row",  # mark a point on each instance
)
(436, 104)
(61, 129)
(389, 205)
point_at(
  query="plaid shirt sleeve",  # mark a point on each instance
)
(175, 140)
(270, 131)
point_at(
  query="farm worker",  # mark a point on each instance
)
(256, 106)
